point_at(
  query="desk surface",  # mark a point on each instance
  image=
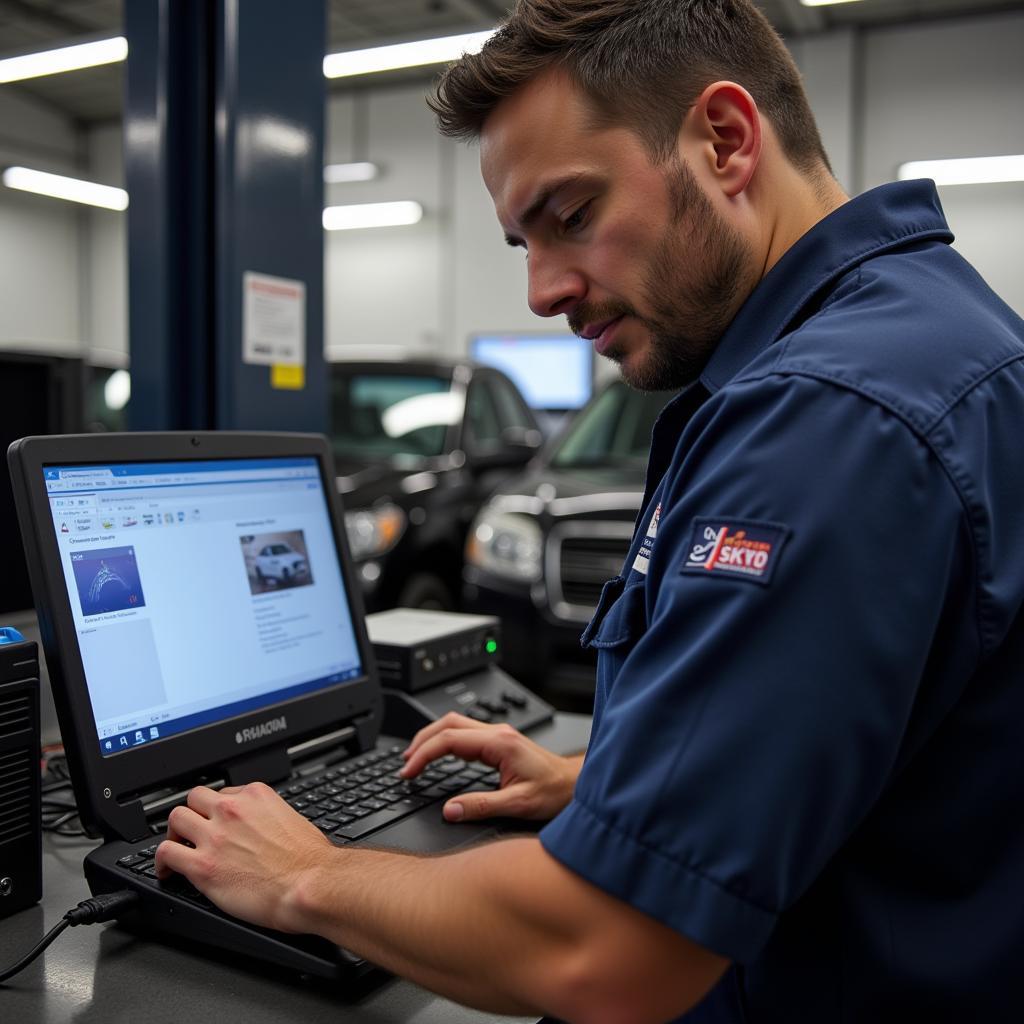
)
(107, 975)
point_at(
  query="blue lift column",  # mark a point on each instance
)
(224, 123)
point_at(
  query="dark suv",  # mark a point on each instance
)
(418, 446)
(545, 543)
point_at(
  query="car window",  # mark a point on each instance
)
(614, 428)
(482, 415)
(512, 410)
(375, 414)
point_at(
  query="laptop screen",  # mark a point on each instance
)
(199, 590)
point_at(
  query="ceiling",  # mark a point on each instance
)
(95, 94)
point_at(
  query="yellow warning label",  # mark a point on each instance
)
(285, 376)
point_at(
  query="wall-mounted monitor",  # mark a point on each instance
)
(554, 372)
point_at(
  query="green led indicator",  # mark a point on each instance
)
(492, 646)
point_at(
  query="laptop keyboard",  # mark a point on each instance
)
(348, 801)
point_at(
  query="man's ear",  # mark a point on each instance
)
(725, 125)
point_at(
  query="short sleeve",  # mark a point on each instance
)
(755, 719)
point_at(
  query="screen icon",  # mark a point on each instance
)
(154, 733)
(139, 738)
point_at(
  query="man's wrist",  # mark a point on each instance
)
(305, 898)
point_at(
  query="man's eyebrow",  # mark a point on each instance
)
(539, 201)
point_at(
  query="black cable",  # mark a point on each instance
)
(104, 907)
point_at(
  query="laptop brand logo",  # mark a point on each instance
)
(256, 732)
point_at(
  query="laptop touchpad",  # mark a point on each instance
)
(429, 833)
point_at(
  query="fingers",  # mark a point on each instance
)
(513, 802)
(452, 720)
(186, 824)
(202, 800)
(171, 857)
(485, 743)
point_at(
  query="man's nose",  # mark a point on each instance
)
(553, 289)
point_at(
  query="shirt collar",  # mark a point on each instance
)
(883, 218)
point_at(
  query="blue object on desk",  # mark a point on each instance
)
(9, 635)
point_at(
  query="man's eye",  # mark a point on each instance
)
(577, 218)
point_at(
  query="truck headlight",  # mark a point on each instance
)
(507, 544)
(374, 531)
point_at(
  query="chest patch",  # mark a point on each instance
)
(742, 548)
(643, 556)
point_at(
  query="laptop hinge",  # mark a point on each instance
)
(331, 743)
(367, 726)
(270, 765)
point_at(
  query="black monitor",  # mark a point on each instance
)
(39, 394)
(555, 372)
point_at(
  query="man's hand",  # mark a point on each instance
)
(249, 852)
(535, 783)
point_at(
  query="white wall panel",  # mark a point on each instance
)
(384, 286)
(39, 283)
(105, 275)
(39, 259)
(827, 63)
(954, 89)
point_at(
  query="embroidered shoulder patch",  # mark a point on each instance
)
(743, 548)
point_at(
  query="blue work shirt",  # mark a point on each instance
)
(808, 741)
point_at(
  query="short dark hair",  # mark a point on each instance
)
(642, 64)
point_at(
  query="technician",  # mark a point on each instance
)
(802, 798)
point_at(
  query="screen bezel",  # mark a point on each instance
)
(585, 346)
(103, 783)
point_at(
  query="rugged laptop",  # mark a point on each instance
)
(203, 624)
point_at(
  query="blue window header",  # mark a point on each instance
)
(148, 468)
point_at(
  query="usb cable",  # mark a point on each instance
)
(105, 907)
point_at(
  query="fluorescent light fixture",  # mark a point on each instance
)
(57, 186)
(972, 170)
(372, 215)
(335, 174)
(403, 55)
(825, 3)
(67, 58)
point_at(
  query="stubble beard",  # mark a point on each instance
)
(687, 315)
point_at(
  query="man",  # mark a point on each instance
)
(801, 800)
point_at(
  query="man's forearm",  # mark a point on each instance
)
(503, 927)
(468, 925)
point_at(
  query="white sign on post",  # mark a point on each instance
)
(273, 320)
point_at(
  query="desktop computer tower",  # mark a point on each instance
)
(21, 858)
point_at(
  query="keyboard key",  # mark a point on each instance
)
(454, 784)
(131, 859)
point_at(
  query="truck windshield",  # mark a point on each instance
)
(382, 414)
(615, 428)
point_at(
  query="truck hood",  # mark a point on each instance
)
(620, 484)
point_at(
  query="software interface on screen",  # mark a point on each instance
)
(199, 590)
(555, 372)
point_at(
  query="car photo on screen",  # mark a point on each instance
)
(276, 561)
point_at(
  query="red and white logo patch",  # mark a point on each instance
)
(746, 549)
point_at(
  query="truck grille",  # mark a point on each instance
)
(582, 556)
